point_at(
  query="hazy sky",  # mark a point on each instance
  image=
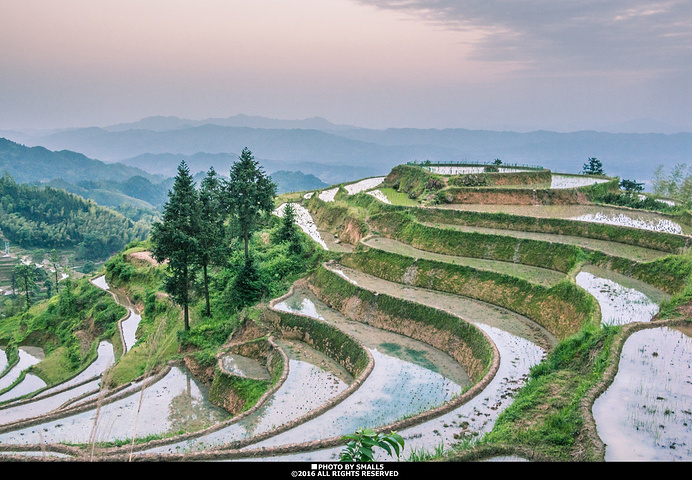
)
(498, 64)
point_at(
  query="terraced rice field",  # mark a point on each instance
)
(631, 252)
(566, 211)
(542, 276)
(645, 415)
(424, 391)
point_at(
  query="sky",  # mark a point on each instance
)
(520, 65)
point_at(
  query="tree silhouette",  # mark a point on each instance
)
(593, 167)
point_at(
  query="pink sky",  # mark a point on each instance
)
(369, 63)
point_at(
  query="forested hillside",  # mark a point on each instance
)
(39, 165)
(45, 217)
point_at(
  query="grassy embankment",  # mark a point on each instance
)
(161, 337)
(463, 341)
(547, 419)
(529, 187)
(68, 327)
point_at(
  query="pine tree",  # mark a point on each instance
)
(175, 238)
(288, 231)
(211, 231)
(247, 286)
(593, 167)
(248, 193)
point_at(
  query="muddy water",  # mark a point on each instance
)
(469, 309)
(313, 380)
(622, 299)
(176, 402)
(646, 414)
(541, 276)
(632, 252)
(28, 356)
(130, 324)
(517, 356)
(303, 301)
(244, 367)
(562, 211)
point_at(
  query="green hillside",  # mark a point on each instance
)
(45, 217)
(40, 165)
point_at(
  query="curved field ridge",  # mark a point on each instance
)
(499, 294)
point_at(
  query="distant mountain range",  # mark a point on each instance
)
(116, 184)
(40, 165)
(338, 153)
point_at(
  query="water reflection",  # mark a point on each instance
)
(176, 402)
(646, 414)
(619, 304)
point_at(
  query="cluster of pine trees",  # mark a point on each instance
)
(200, 225)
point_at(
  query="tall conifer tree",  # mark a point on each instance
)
(248, 192)
(25, 277)
(175, 238)
(211, 234)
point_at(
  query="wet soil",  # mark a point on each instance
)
(631, 252)
(469, 309)
(541, 276)
(563, 211)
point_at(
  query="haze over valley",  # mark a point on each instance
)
(389, 232)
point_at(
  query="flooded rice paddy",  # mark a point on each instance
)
(620, 304)
(646, 414)
(28, 356)
(313, 380)
(568, 181)
(241, 366)
(409, 378)
(379, 195)
(363, 185)
(406, 349)
(622, 220)
(304, 220)
(175, 403)
(3, 360)
(129, 325)
(564, 211)
(472, 419)
(474, 311)
(48, 400)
